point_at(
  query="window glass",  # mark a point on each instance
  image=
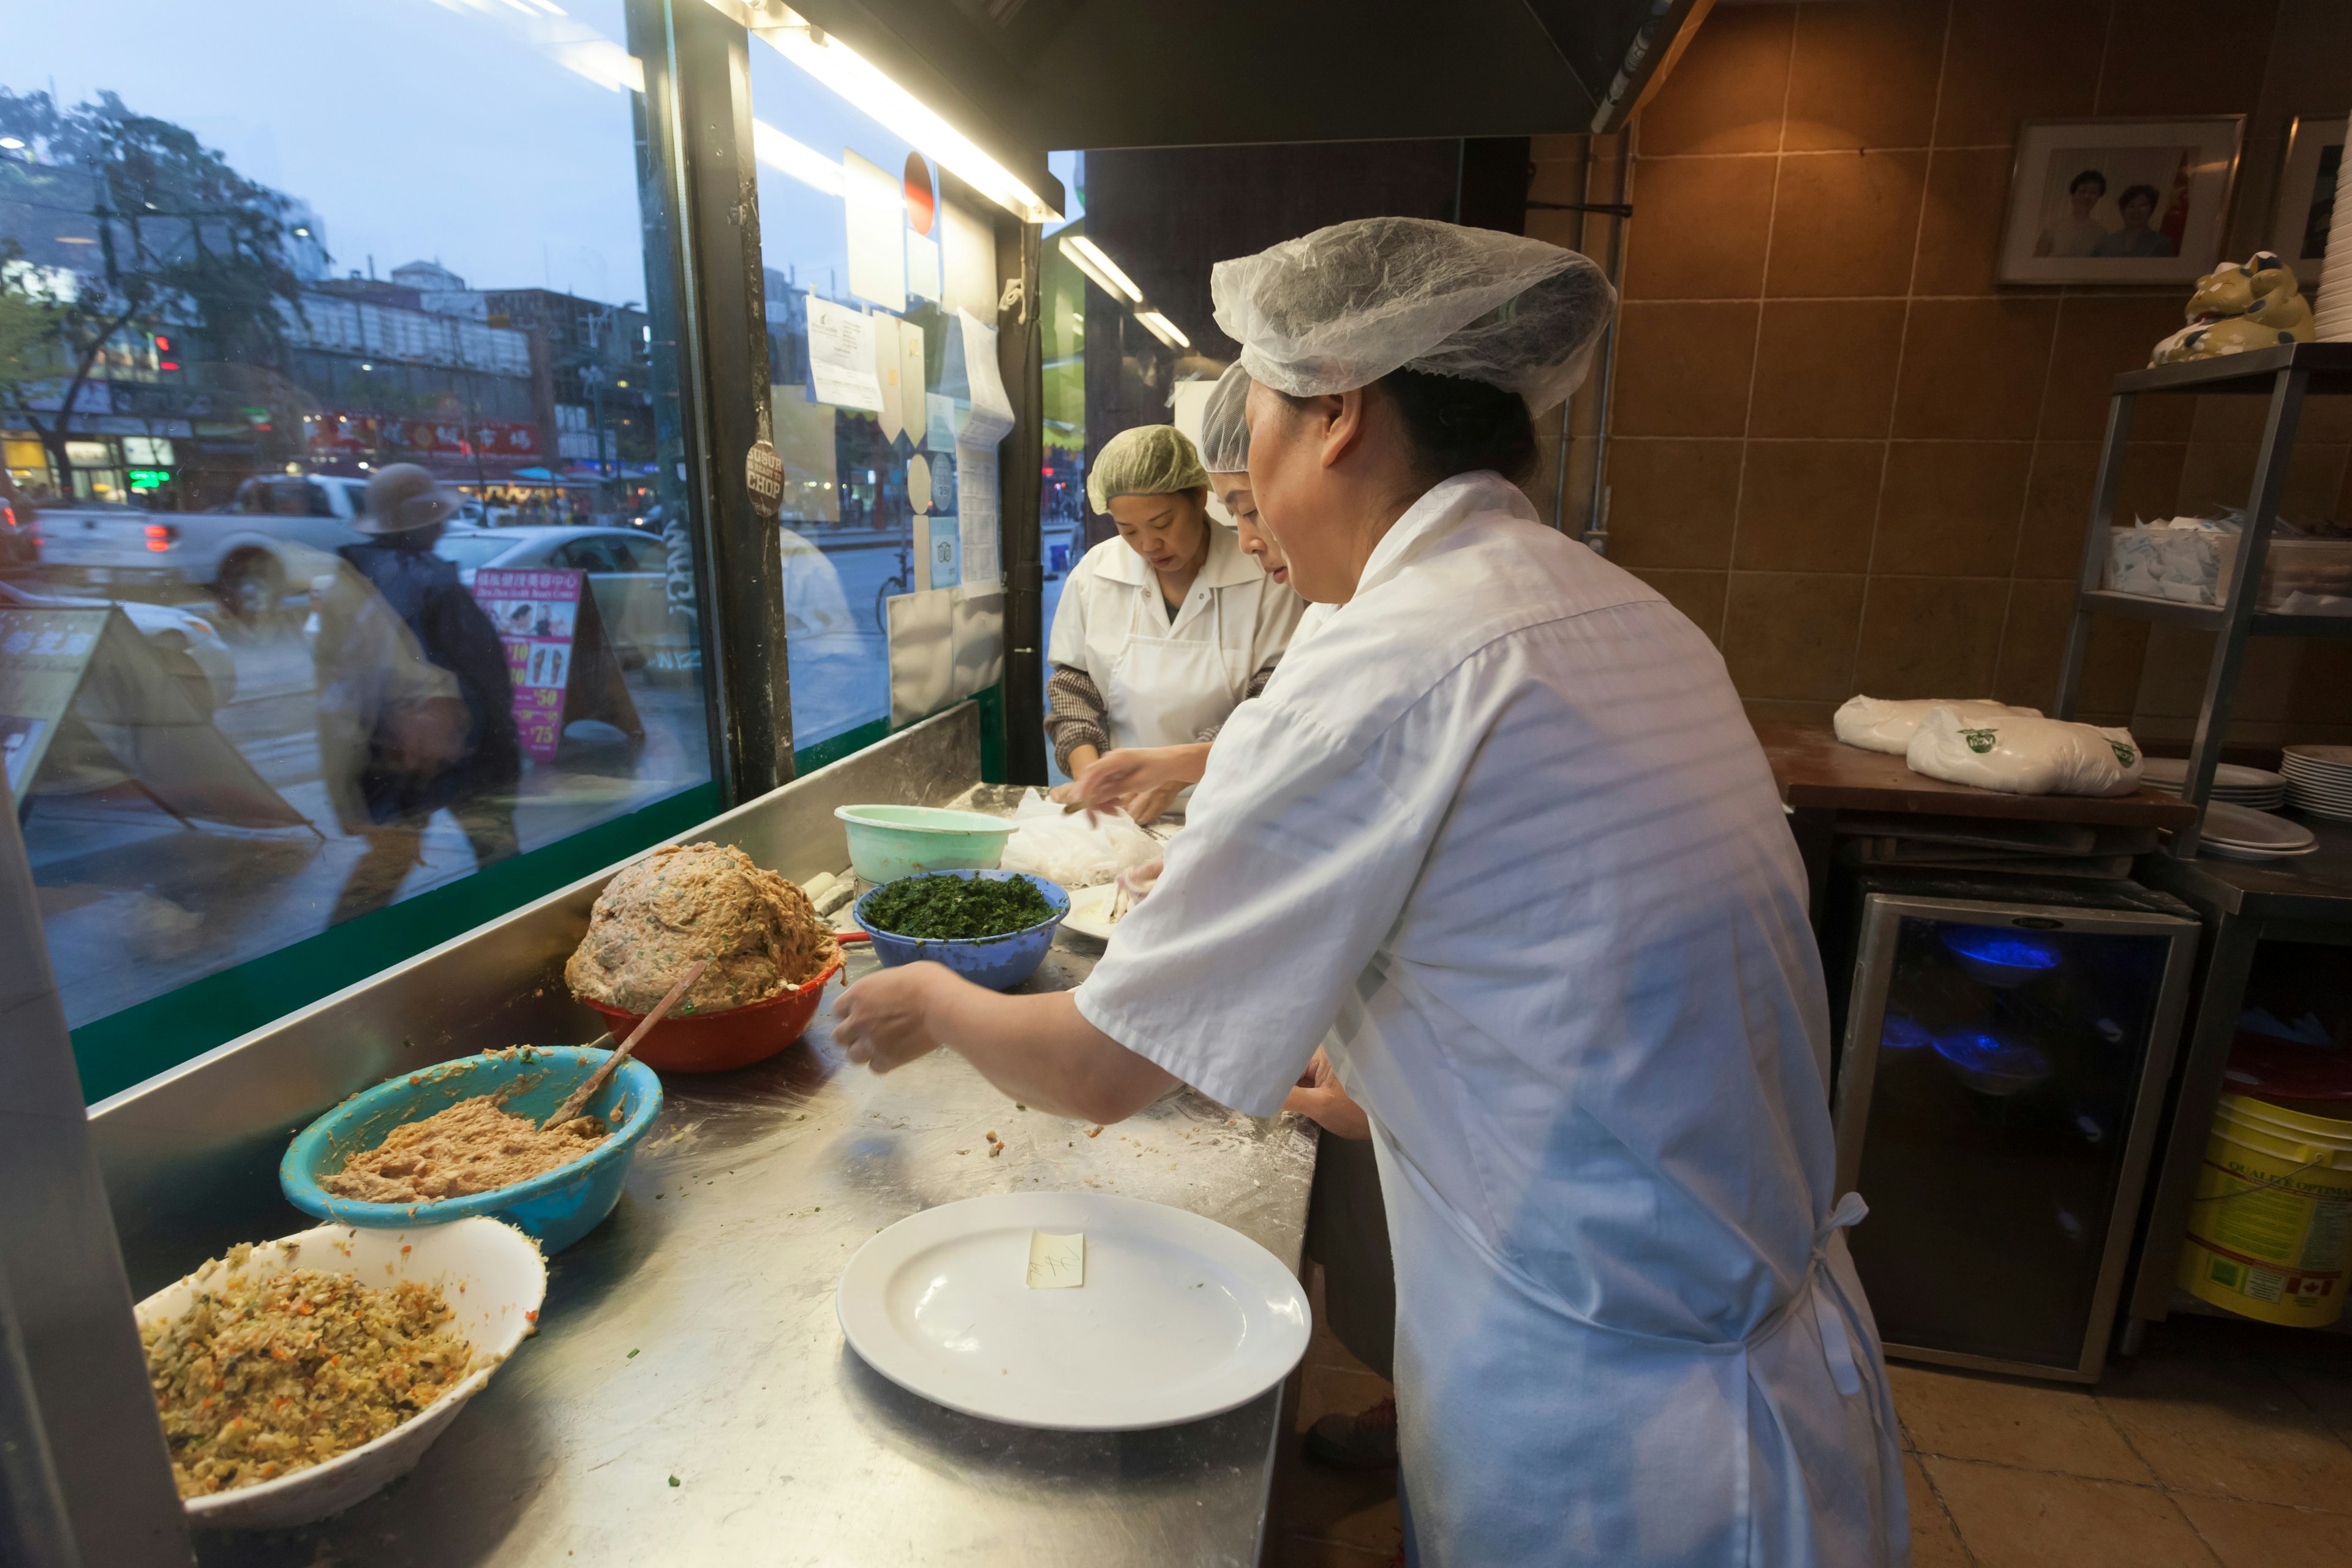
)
(868, 260)
(238, 293)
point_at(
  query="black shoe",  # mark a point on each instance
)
(1367, 1441)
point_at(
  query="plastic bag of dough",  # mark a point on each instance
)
(1878, 725)
(2024, 754)
(1071, 850)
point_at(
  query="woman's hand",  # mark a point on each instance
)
(886, 1018)
(1320, 1100)
(1141, 779)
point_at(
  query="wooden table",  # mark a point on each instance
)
(1821, 777)
(1817, 772)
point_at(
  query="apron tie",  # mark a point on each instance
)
(1837, 1344)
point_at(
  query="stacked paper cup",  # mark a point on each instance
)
(2332, 315)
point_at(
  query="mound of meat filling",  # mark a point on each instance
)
(678, 904)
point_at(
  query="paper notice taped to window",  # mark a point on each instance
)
(1057, 1262)
(841, 356)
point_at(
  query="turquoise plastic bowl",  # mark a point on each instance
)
(557, 1208)
(999, 963)
(888, 842)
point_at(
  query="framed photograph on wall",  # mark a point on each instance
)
(2119, 201)
(2307, 192)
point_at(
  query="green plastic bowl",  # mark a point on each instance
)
(888, 842)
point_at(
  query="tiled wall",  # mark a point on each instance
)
(1844, 452)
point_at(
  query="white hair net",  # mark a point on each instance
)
(1224, 424)
(1146, 460)
(1343, 306)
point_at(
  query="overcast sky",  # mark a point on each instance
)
(473, 131)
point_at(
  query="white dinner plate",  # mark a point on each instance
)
(2171, 773)
(1180, 1318)
(1090, 912)
(2256, 832)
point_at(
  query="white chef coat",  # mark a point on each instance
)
(1502, 819)
(1165, 681)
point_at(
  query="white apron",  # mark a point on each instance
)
(1501, 826)
(1164, 679)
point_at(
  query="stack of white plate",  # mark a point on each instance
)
(2240, 835)
(2332, 308)
(2250, 787)
(2319, 779)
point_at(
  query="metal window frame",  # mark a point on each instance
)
(1873, 967)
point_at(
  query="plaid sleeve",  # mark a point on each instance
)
(1257, 684)
(1076, 715)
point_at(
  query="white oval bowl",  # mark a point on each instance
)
(504, 1280)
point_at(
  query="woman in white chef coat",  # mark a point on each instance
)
(1502, 828)
(1164, 628)
(1135, 777)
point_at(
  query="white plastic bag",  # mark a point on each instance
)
(1876, 725)
(1072, 851)
(2024, 755)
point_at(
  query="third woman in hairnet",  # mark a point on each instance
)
(1501, 826)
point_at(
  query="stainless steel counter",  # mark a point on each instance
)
(718, 1270)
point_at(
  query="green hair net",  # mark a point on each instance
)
(1148, 460)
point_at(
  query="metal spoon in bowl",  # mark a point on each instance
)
(579, 1098)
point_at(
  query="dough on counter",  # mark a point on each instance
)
(699, 901)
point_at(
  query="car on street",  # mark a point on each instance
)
(279, 532)
(184, 642)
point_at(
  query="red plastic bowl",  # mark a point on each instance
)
(720, 1042)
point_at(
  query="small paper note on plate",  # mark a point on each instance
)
(1057, 1262)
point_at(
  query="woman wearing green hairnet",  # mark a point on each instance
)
(1163, 630)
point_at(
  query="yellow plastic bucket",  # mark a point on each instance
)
(2270, 1235)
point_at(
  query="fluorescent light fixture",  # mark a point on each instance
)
(1166, 331)
(1089, 260)
(865, 89)
(802, 162)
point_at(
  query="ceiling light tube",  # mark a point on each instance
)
(1101, 279)
(865, 87)
(1097, 266)
(802, 162)
(1166, 331)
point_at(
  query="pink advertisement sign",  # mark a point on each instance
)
(536, 614)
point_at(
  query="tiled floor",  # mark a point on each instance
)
(2222, 1445)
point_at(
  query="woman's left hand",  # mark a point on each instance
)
(884, 1018)
(1320, 1100)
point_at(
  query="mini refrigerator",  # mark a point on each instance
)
(2001, 1074)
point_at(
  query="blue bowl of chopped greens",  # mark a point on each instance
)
(990, 927)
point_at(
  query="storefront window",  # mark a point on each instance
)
(262, 332)
(881, 301)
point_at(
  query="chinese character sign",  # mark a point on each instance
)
(536, 614)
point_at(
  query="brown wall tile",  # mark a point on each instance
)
(1959, 223)
(1931, 637)
(1951, 508)
(2099, 336)
(2034, 645)
(1698, 594)
(1863, 74)
(1672, 502)
(1826, 367)
(2185, 57)
(1702, 228)
(1806, 506)
(1974, 368)
(2009, 60)
(1684, 369)
(1726, 92)
(1791, 634)
(1845, 224)
(2058, 499)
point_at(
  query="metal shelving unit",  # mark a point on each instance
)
(2286, 375)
